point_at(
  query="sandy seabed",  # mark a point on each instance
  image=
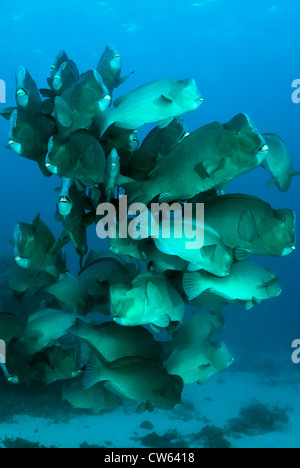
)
(203, 419)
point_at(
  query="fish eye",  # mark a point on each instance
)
(53, 67)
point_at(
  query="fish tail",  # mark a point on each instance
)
(95, 371)
(102, 122)
(194, 285)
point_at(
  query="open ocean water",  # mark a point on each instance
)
(244, 59)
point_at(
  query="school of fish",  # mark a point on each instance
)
(138, 321)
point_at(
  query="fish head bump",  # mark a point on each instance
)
(189, 97)
(278, 233)
(123, 300)
(249, 145)
(58, 158)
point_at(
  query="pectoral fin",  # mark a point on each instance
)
(208, 251)
(164, 101)
(124, 78)
(154, 294)
(162, 322)
(201, 171)
(213, 165)
(241, 254)
(247, 227)
(63, 113)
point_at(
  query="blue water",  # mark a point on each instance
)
(244, 58)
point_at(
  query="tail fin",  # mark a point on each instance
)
(193, 285)
(101, 123)
(94, 372)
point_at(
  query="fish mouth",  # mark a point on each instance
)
(119, 320)
(51, 167)
(263, 149)
(133, 137)
(262, 153)
(64, 205)
(15, 146)
(64, 199)
(21, 92)
(22, 262)
(104, 103)
(186, 134)
(57, 83)
(198, 102)
(288, 250)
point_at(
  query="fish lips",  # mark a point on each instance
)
(288, 250)
(64, 206)
(22, 262)
(15, 146)
(57, 83)
(22, 97)
(120, 321)
(198, 103)
(51, 167)
(104, 103)
(48, 164)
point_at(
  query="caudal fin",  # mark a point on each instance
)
(194, 285)
(101, 123)
(94, 372)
